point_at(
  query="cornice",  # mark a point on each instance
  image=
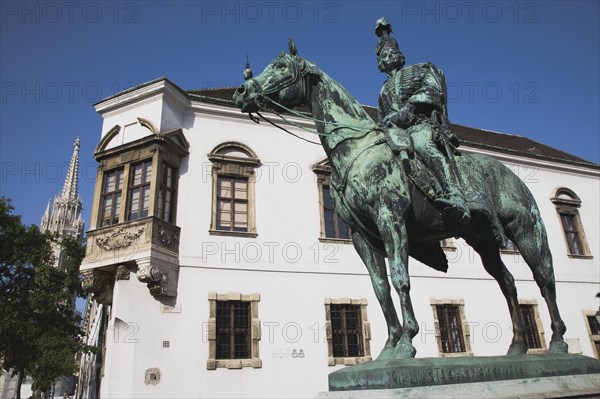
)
(160, 86)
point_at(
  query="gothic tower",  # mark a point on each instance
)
(65, 219)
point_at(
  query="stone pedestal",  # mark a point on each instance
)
(525, 376)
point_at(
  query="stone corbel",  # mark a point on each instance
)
(100, 284)
(159, 278)
(122, 272)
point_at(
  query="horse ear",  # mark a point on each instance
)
(292, 47)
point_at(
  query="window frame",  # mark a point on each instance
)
(163, 189)
(364, 331)
(538, 325)
(255, 332)
(116, 194)
(594, 338)
(233, 201)
(567, 203)
(323, 177)
(464, 326)
(242, 165)
(145, 186)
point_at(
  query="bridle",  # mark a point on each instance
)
(266, 103)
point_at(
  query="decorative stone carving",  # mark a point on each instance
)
(155, 278)
(166, 237)
(119, 238)
(100, 283)
(122, 272)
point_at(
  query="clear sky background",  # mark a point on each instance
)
(521, 67)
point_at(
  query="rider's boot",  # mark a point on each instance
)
(452, 203)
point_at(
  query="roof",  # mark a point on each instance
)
(469, 136)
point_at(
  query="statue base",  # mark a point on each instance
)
(544, 375)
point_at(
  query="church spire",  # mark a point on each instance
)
(70, 189)
(46, 217)
(63, 217)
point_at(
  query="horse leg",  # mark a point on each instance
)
(375, 263)
(393, 233)
(490, 257)
(533, 245)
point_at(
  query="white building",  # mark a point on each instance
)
(221, 270)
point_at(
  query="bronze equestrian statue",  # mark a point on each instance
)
(389, 214)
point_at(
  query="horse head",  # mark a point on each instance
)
(284, 81)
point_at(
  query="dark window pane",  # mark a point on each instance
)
(111, 197)
(532, 336)
(233, 330)
(346, 326)
(335, 227)
(571, 233)
(594, 325)
(450, 329)
(139, 190)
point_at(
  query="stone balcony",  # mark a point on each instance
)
(148, 247)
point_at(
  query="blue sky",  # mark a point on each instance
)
(520, 67)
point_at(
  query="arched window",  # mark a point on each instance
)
(567, 204)
(233, 177)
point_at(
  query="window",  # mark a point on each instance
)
(593, 328)
(233, 331)
(571, 233)
(139, 190)
(567, 204)
(335, 227)
(232, 204)
(166, 194)
(111, 197)
(451, 328)
(348, 331)
(535, 331)
(233, 174)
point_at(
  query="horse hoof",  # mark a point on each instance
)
(558, 347)
(404, 351)
(517, 349)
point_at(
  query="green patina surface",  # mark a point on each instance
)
(402, 187)
(403, 373)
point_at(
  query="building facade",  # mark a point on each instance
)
(218, 268)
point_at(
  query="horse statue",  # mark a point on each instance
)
(391, 218)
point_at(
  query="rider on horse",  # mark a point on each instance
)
(412, 110)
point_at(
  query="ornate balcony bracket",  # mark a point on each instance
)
(150, 243)
(159, 276)
(123, 272)
(100, 283)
